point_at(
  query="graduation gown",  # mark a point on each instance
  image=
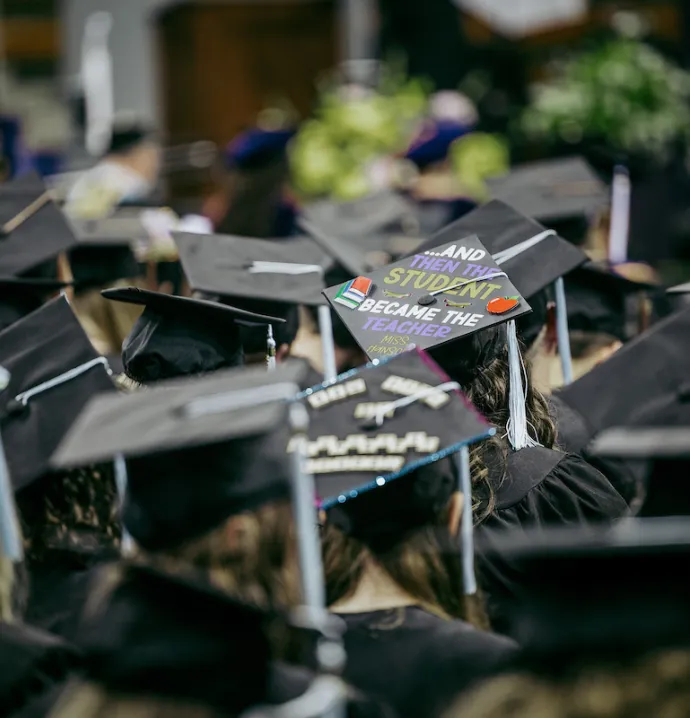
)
(416, 661)
(541, 488)
(34, 668)
(573, 436)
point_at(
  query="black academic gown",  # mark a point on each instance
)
(418, 662)
(59, 588)
(34, 668)
(574, 435)
(542, 488)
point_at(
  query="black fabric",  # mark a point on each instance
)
(573, 437)
(41, 347)
(634, 581)
(500, 227)
(34, 666)
(94, 266)
(541, 488)
(59, 590)
(177, 639)
(643, 376)
(417, 662)
(161, 347)
(176, 496)
(41, 237)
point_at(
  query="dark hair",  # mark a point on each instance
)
(127, 137)
(480, 365)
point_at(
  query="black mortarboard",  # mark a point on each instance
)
(105, 251)
(642, 379)
(378, 424)
(248, 269)
(449, 289)
(500, 228)
(552, 190)
(54, 371)
(19, 296)
(597, 300)
(180, 639)
(197, 450)
(634, 580)
(363, 217)
(178, 336)
(33, 230)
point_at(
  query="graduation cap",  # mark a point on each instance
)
(230, 424)
(646, 378)
(395, 418)
(636, 588)
(552, 191)
(19, 296)
(598, 300)
(33, 230)
(168, 636)
(256, 273)
(105, 251)
(54, 371)
(179, 336)
(534, 258)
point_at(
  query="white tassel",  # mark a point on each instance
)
(517, 429)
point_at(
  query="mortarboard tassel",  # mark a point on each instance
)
(620, 216)
(270, 349)
(469, 580)
(562, 333)
(126, 543)
(518, 434)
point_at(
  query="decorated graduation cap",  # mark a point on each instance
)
(598, 300)
(636, 603)
(446, 292)
(644, 380)
(534, 258)
(392, 419)
(54, 371)
(256, 273)
(179, 336)
(553, 192)
(33, 230)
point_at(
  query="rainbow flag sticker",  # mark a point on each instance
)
(354, 292)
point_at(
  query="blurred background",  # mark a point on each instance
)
(525, 80)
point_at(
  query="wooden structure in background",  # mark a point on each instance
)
(221, 64)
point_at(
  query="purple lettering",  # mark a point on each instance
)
(422, 262)
(405, 327)
(443, 332)
(430, 330)
(379, 325)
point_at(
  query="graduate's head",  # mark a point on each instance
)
(138, 147)
(72, 512)
(180, 337)
(380, 450)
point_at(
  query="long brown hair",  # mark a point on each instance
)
(480, 365)
(422, 562)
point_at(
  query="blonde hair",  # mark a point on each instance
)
(86, 700)
(655, 686)
(6, 589)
